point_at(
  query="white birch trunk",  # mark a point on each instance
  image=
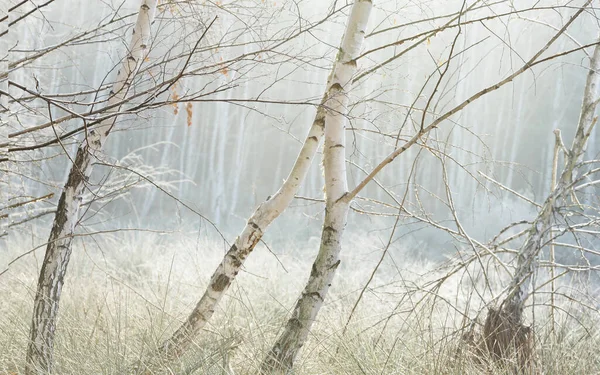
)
(58, 250)
(540, 229)
(227, 270)
(281, 358)
(244, 244)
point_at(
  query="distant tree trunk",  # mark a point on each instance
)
(281, 358)
(508, 335)
(58, 250)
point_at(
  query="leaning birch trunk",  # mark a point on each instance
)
(281, 358)
(233, 260)
(507, 334)
(58, 251)
(264, 215)
(541, 226)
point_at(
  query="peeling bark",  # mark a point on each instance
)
(280, 359)
(58, 251)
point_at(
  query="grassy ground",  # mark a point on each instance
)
(127, 292)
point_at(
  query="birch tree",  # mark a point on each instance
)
(58, 250)
(504, 332)
(243, 245)
(332, 109)
(331, 114)
(281, 358)
(154, 91)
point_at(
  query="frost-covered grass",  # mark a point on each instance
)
(127, 291)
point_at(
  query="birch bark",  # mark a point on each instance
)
(244, 244)
(281, 358)
(58, 251)
(519, 287)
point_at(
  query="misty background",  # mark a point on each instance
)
(241, 142)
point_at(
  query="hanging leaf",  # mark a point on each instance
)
(188, 109)
(174, 97)
(224, 69)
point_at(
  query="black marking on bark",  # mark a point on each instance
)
(61, 217)
(145, 7)
(143, 46)
(336, 86)
(314, 138)
(235, 261)
(320, 122)
(131, 58)
(335, 265)
(313, 271)
(255, 240)
(315, 294)
(351, 62)
(253, 225)
(221, 283)
(77, 179)
(337, 145)
(329, 229)
(295, 322)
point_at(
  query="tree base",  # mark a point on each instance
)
(503, 342)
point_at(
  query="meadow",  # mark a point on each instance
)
(127, 291)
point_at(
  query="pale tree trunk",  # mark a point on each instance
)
(281, 358)
(244, 244)
(58, 250)
(541, 226)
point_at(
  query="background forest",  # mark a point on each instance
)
(183, 181)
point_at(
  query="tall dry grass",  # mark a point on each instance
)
(127, 291)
